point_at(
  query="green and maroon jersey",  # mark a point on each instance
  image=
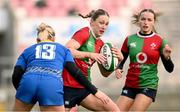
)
(144, 53)
(88, 43)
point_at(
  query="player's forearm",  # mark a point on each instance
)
(168, 64)
(125, 55)
(80, 54)
(17, 76)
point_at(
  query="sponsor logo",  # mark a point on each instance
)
(145, 90)
(141, 66)
(125, 91)
(141, 57)
(66, 102)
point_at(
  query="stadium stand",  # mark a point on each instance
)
(35, 8)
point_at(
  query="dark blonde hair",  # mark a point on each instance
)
(42, 28)
(94, 14)
(138, 15)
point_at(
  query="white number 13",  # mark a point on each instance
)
(45, 51)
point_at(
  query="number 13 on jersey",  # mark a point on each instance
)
(45, 51)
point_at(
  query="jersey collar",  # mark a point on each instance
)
(46, 41)
(92, 33)
(143, 36)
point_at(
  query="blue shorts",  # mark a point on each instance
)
(46, 89)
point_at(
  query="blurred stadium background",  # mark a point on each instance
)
(19, 19)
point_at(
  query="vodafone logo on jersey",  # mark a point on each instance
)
(141, 57)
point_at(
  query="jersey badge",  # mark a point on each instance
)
(133, 44)
(153, 45)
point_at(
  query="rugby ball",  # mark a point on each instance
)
(111, 63)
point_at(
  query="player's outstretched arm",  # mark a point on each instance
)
(80, 77)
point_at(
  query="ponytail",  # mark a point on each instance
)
(94, 14)
(87, 15)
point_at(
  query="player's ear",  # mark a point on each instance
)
(91, 22)
(38, 40)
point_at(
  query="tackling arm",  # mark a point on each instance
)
(17, 76)
(80, 77)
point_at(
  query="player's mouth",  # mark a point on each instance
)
(145, 27)
(101, 31)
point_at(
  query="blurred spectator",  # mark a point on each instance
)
(72, 12)
(40, 3)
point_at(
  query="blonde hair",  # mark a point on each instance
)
(45, 33)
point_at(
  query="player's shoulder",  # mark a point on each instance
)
(83, 31)
(82, 35)
(158, 35)
(134, 34)
(30, 47)
(130, 37)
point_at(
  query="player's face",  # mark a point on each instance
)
(146, 22)
(100, 25)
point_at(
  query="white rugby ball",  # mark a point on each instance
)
(112, 61)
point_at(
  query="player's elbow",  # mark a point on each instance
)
(170, 69)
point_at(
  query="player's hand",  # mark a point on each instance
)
(167, 51)
(98, 57)
(117, 53)
(103, 97)
(118, 73)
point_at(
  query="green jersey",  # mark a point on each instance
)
(144, 53)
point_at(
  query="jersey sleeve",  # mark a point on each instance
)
(81, 36)
(125, 46)
(164, 42)
(68, 57)
(21, 61)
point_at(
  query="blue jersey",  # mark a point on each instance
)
(45, 54)
(42, 81)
